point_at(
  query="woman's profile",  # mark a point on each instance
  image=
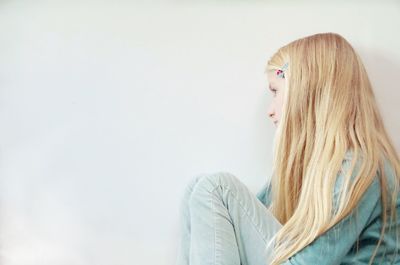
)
(333, 197)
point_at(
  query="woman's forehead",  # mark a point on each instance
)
(274, 80)
(271, 75)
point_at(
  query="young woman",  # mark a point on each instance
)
(333, 197)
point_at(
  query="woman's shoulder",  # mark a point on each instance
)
(387, 166)
(372, 191)
(376, 186)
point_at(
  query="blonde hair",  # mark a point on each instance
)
(328, 109)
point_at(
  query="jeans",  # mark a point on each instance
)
(223, 223)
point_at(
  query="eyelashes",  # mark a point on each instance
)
(271, 89)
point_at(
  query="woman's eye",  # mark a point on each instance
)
(274, 91)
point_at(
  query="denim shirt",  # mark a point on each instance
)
(338, 245)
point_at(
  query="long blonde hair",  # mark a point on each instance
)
(328, 109)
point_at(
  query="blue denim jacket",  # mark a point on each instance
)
(338, 245)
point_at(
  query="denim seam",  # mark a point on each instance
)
(215, 221)
(243, 208)
(258, 229)
(215, 230)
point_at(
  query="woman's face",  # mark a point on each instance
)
(276, 87)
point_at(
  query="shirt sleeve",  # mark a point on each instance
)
(264, 194)
(331, 247)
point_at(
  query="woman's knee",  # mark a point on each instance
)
(209, 182)
(223, 178)
(190, 187)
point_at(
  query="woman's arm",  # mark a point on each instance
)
(331, 247)
(264, 194)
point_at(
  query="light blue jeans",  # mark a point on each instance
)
(224, 223)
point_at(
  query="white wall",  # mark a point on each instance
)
(107, 109)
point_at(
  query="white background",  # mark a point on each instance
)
(108, 109)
